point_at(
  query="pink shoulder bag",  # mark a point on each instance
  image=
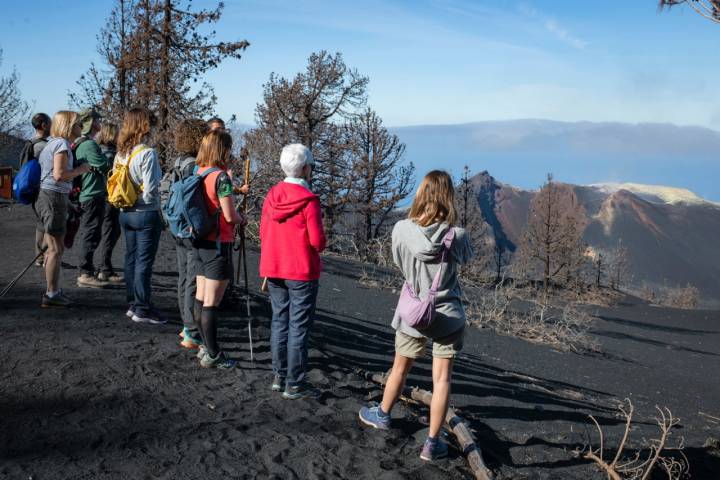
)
(413, 311)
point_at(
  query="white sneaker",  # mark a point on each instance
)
(149, 317)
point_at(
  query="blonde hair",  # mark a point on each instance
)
(215, 149)
(135, 127)
(108, 134)
(62, 124)
(434, 200)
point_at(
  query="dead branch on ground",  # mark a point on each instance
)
(655, 454)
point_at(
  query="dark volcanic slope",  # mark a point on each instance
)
(88, 394)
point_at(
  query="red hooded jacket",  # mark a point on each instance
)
(291, 233)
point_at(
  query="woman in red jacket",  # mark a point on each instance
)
(212, 254)
(291, 239)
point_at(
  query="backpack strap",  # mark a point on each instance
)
(136, 151)
(78, 141)
(218, 211)
(446, 244)
(206, 172)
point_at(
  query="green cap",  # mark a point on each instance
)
(86, 117)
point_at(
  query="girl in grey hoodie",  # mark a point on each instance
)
(417, 245)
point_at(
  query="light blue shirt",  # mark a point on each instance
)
(47, 164)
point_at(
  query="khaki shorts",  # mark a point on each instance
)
(52, 210)
(446, 347)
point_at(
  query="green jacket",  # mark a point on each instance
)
(94, 183)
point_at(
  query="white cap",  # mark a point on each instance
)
(293, 158)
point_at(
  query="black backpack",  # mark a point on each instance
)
(28, 151)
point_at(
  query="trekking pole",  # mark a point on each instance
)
(246, 155)
(19, 275)
(238, 235)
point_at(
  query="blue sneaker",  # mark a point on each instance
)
(221, 361)
(375, 417)
(434, 449)
(302, 390)
(190, 339)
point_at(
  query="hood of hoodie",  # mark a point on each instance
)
(286, 199)
(423, 242)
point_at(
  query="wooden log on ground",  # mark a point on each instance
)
(453, 422)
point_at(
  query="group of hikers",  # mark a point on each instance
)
(426, 246)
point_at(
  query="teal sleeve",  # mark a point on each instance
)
(224, 186)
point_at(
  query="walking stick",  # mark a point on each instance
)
(19, 275)
(242, 253)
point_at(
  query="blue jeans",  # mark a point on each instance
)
(293, 308)
(142, 237)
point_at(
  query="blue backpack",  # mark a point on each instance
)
(186, 212)
(26, 185)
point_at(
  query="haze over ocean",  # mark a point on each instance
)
(440, 62)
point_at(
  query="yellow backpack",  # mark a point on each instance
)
(122, 192)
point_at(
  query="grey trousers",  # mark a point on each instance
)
(187, 270)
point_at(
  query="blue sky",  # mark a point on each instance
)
(429, 61)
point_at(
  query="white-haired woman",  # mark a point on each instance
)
(291, 239)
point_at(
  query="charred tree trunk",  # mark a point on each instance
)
(165, 73)
(122, 61)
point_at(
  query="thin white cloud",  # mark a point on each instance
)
(552, 26)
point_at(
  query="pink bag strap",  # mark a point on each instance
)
(446, 244)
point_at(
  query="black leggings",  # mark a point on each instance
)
(208, 330)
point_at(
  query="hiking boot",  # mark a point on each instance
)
(278, 384)
(150, 316)
(111, 278)
(88, 281)
(302, 390)
(433, 450)
(57, 300)
(221, 361)
(375, 417)
(190, 339)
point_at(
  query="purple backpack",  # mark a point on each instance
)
(413, 311)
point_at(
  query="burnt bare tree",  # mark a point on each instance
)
(600, 266)
(108, 87)
(470, 218)
(552, 244)
(312, 109)
(500, 260)
(14, 111)
(382, 178)
(154, 53)
(618, 266)
(709, 9)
